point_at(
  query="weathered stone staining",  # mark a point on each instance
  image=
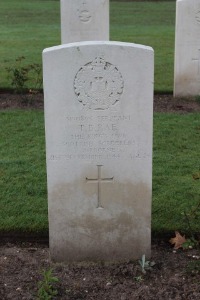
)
(98, 122)
(187, 48)
(84, 20)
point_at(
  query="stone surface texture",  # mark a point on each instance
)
(84, 20)
(98, 121)
(187, 48)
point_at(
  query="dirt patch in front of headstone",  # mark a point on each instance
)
(169, 104)
(175, 275)
(165, 103)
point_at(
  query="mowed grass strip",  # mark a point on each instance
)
(26, 28)
(29, 26)
(23, 197)
(175, 162)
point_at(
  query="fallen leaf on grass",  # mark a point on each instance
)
(196, 176)
(178, 240)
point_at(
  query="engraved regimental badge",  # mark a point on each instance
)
(98, 84)
(84, 13)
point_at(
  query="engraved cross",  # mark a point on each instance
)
(198, 60)
(99, 180)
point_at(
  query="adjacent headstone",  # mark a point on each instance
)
(187, 48)
(84, 20)
(98, 120)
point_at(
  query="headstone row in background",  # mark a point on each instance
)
(88, 20)
(84, 20)
(187, 48)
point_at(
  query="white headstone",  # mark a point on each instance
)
(187, 48)
(84, 20)
(98, 120)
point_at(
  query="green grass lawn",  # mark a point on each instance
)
(23, 197)
(176, 161)
(29, 26)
